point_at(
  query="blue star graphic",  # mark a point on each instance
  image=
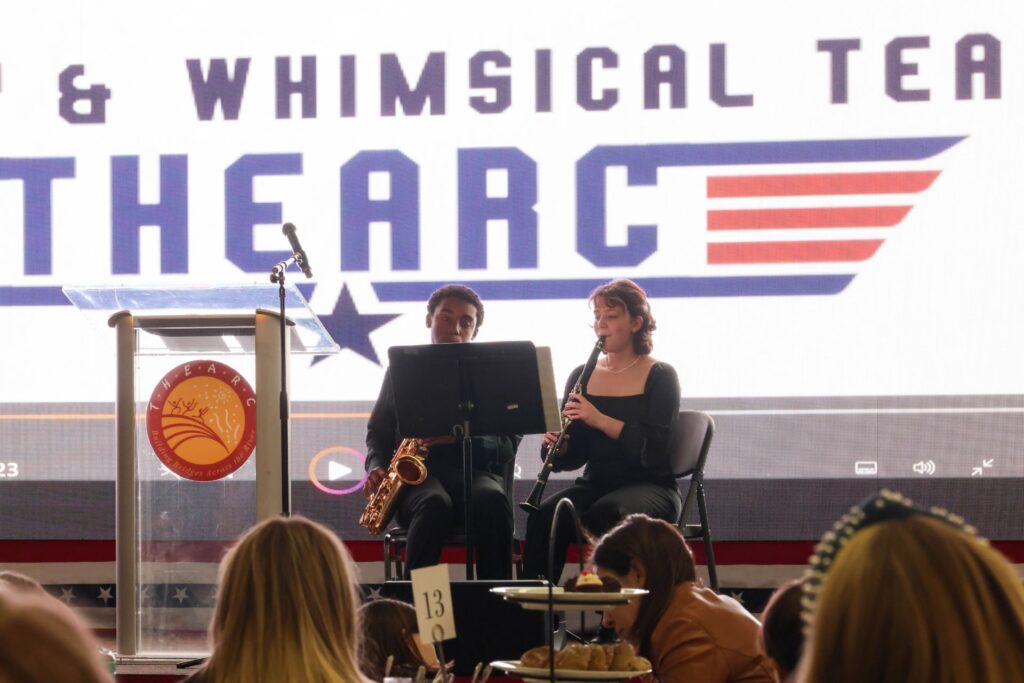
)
(351, 329)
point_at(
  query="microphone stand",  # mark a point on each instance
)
(277, 274)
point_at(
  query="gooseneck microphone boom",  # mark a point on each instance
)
(300, 255)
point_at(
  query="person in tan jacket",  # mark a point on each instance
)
(689, 632)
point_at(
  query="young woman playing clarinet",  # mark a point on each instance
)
(622, 420)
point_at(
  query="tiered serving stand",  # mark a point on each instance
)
(553, 597)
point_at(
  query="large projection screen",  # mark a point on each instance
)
(822, 204)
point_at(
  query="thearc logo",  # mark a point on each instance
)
(201, 420)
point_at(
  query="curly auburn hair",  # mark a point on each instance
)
(630, 296)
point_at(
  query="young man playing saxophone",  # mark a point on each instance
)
(432, 509)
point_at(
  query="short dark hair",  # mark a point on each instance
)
(666, 558)
(457, 292)
(630, 296)
(782, 626)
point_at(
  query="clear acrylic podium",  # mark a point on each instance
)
(171, 531)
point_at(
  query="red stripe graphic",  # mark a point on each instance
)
(56, 551)
(820, 183)
(829, 217)
(791, 252)
(726, 552)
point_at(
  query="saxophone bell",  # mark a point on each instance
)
(407, 468)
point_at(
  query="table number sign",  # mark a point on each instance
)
(432, 596)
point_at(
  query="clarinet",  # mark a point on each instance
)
(532, 502)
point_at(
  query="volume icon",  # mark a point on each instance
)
(925, 467)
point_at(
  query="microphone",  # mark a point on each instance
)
(289, 230)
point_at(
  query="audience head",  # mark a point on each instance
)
(20, 583)
(42, 641)
(287, 607)
(903, 594)
(389, 628)
(782, 629)
(628, 295)
(642, 552)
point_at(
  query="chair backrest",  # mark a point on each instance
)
(688, 452)
(690, 442)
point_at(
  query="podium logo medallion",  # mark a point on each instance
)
(201, 420)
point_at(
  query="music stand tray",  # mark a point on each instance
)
(509, 388)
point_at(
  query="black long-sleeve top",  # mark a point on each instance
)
(640, 454)
(490, 453)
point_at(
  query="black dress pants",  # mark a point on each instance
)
(599, 509)
(432, 510)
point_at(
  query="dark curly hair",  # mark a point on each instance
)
(630, 296)
(457, 292)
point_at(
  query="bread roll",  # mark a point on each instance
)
(639, 664)
(573, 658)
(594, 657)
(599, 660)
(536, 658)
(622, 654)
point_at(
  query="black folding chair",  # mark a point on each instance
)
(691, 441)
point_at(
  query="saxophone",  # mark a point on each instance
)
(407, 468)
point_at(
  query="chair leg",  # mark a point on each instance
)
(387, 558)
(709, 551)
(517, 558)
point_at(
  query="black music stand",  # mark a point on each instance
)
(483, 389)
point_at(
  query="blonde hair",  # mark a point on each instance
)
(42, 640)
(916, 600)
(287, 608)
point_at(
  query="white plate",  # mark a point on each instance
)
(530, 673)
(536, 597)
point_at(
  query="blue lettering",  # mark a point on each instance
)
(400, 209)
(672, 74)
(839, 51)
(501, 84)
(348, 85)
(585, 79)
(37, 176)
(542, 78)
(591, 200)
(218, 86)
(718, 89)
(241, 213)
(70, 95)
(896, 69)
(304, 87)
(476, 207)
(394, 87)
(989, 65)
(170, 214)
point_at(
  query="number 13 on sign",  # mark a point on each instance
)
(432, 594)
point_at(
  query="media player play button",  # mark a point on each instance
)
(335, 470)
(337, 464)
